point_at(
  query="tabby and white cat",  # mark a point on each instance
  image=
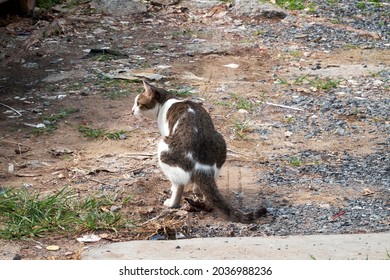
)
(190, 150)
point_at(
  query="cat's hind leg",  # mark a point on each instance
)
(197, 192)
(179, 178)
(174, 201)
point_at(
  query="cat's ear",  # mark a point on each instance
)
(150, 90)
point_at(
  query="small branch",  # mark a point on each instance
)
(283, 106)
(14, 143)
(162, 215)
(138, 155)
(27, 175)
(16, 111)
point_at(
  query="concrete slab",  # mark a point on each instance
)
(321, 247)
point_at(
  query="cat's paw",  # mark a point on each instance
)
(169, 203)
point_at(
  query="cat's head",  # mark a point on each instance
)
(148, 103)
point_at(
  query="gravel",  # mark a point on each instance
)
(353, 108)
(347, 24)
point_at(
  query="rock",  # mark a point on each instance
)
(59, 151)
(232, 65)
(201, 4)
(52, 248)
(120, 7)
(11, 168)
(115, 208)
(255, 10)
(89, 238)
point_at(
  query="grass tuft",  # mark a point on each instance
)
(242, 102)
(52, 121)
(101, 134)
(25, 214)
(242, 128)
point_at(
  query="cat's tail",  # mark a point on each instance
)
(207, 185)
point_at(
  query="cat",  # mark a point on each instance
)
(190, 150)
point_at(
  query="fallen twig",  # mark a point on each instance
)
(13, 109)
(27, 175)
(338, 215)
(162, 215)
(283, 106)
(94, 52)
(14, 143)
(138, 155)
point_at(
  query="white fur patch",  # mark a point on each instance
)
(150, 114)
(162, 122)
(206, 168)
(175, 126)
(190, 156)
(176, 175)
(135, 109)
(162, 147)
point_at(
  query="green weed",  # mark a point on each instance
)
(316, 82)
(182, 33)
(324, 84)
(242, 102)
(182, 92)
(61, 115)
(52, 121)
(47, 4)
(117, 94)
(295, 161)
(30, 214)
(96, 133)
(361, 5)
(242, 128)
(296, 5)
(291, 4)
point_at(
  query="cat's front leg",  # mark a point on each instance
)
(174, 201)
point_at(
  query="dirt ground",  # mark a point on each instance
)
(39, 78)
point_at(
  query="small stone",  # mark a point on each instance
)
(341, 131)
(115, 208)
(52, 248)
(377, 83)
(11, 168)
(41, 125)
(89, 238)
(17, 257)
(232, 65)
(243, 111)
(179, 235)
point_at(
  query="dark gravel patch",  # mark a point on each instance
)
(347, 23)
(357, 216)
(325, 169)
